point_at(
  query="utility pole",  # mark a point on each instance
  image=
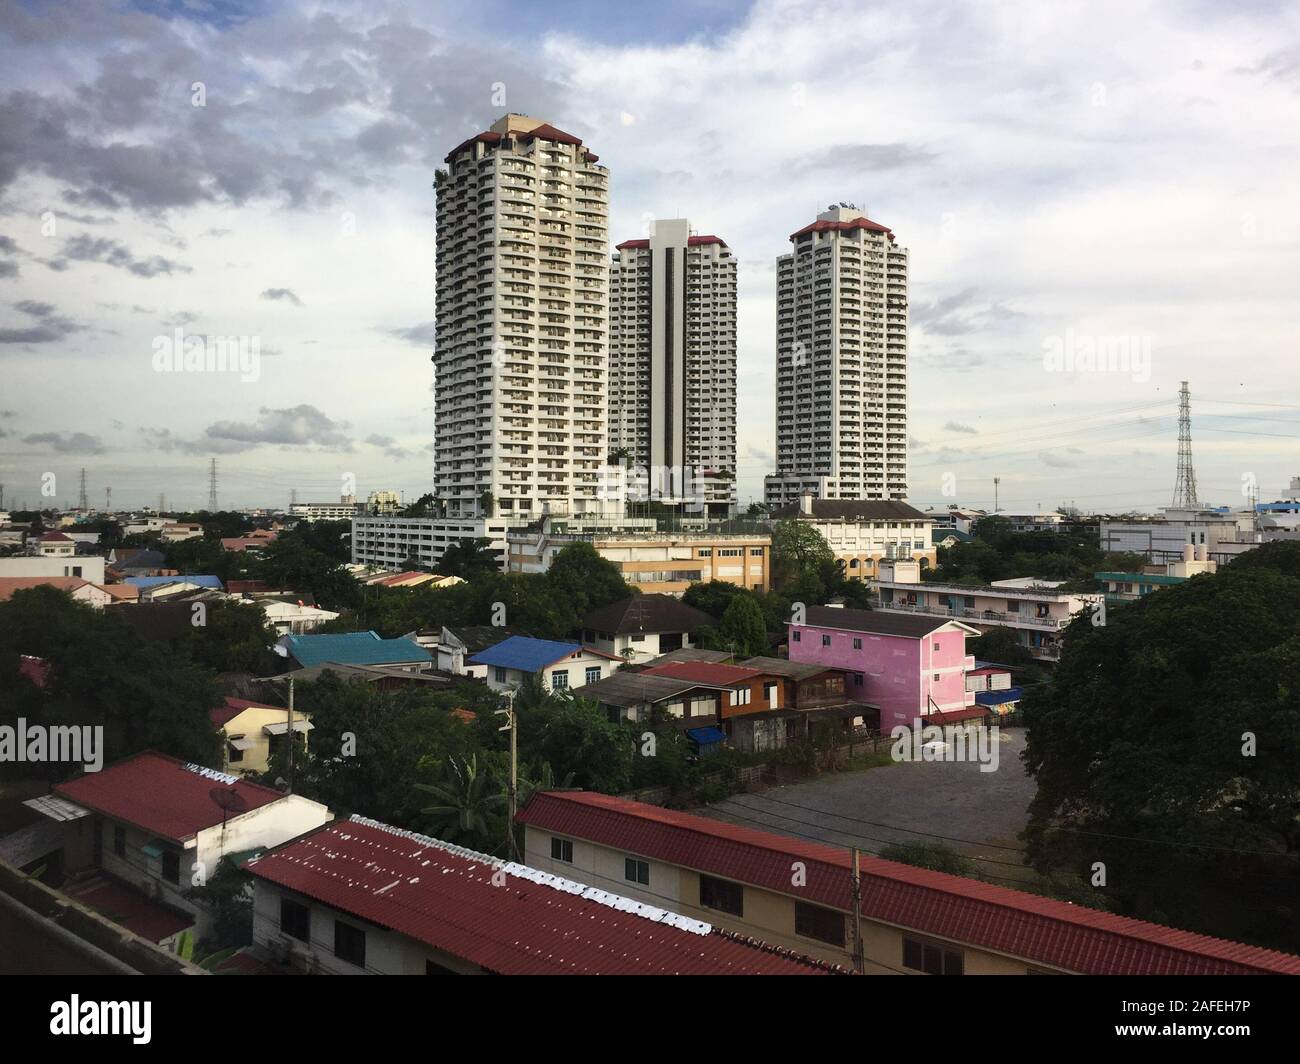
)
(512, 789)
(290, 735)
(859, 960)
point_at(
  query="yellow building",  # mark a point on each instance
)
(253, 732)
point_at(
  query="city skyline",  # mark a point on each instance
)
(1029, 210)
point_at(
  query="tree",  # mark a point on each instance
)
(712, 597)
(743, 627)
(585, 580)
(469, 559)
(932, 855)
(1001, 646)
(1166, 751)
(468, 805)
(803, 564)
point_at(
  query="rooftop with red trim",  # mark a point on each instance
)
(826, 225)
(694, 241)
(977, 914)
(162, 795)
(533, 923)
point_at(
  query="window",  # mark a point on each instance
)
(857, 679)
(936, 648)
(593, 673)
(740, 696)
(813, 921)
(826, 640)
(560, 680)
(756, 552)
(233, 753)
(349, 944)
(857, 644)
(794, 636)
(295, 920)
(721, 895)
(936, 677)
(636, 871)
(562, 850)
(119, 840)
(704, 552)
(171, 866)
(931, 958)
(499, 674)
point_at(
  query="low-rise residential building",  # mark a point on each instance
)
(292, 616)
(95, 595)
(55, 545)
(151, 827)
(652, 561)
(862, 532)
(993, 687)
(746, 703)
(361, 897)
(1162, 539)
(354, 648)
(181, 530)
(914, 921)
(1125, 587)
(344, 510)
(253, 732)
(453, 647)
(88, 568)
(905, 666)
(1045, 521)
(558, 666)
(253, 543)
(642, 627)
(1036, 611)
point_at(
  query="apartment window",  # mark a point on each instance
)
(756, 552)
(857, 644)
(562, 850)
(636, 871)
(593, 674)
(295, 920)
(936, 648)
(814, 921)
(704, 552)
(499, 674)
(349, 944)
(932, 958)
(795, 637)
(560, 680)
(721, 895)
(233, 753)
(119, 840)
(936, 677)
(171, 866)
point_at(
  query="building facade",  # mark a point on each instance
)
(841, 362)
(672, 365)
(862, 533)
(520, 352)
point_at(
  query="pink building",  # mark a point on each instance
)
(908, 666)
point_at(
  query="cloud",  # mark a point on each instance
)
(83, 248)
(421, 335)
(300, 426)
(863, 157)
(283, 295)
(961, 314)
(390, 447)
(956, 426)
(66, 442)
(49, 327)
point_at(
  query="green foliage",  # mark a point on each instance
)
(586, 581)
(468, 808)
(235, 638)
(743, 627)
(932, 855)
(228, 897)
(470, 559)
(1143, 733)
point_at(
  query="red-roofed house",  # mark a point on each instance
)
(799, 894)
(160, 826)
(80, 590)
(361, 897)
(748, 701)
(56, 545)
(253, 732)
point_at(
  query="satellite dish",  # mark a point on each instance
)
(228, 799)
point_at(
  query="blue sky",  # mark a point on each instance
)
(1124, 173)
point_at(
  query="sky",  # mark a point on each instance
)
(1113, 177)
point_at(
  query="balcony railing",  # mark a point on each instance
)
(1012, 620)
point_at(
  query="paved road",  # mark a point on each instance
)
(986, 810)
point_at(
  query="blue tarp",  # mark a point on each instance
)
(997, 698)
(706, 736)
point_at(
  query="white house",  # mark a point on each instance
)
(559, 666)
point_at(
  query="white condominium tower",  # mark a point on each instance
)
(520, 348)
(672, 366)
(841, 362)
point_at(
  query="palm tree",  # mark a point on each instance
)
(540, 777)
(466, 802)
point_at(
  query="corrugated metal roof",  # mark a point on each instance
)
(527, 922)
(704, 672)
(525, 653)
(162, 795)
(874, 622)
(646, 613)
(1029, 926)
(353, 648)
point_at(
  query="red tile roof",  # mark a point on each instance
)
(533, 924)
(11, 584)
(1039, 929)
(161, 794)
(706, 672)
(695, 241)
(861, 222)
(545, 131)
(55, 537)
(223, 714)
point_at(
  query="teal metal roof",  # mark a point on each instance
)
(353, 648)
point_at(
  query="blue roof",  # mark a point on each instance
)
(352, 648)
(525, 653)
(706, 736)
(996, 698)
(184, 578)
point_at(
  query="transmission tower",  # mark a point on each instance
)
(82, 505)
(212, 486)
(108, 500)
(1185, 487)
